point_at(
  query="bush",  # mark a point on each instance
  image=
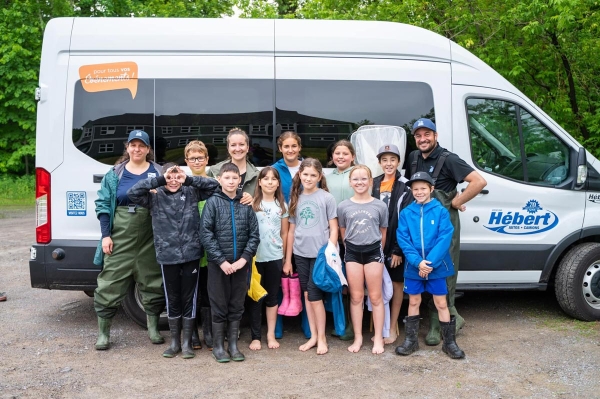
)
(17, 190)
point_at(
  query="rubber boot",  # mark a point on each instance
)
(232, 338)
(411, 341)
(305, 325)
(103, 342)
(152, 325)
(279, 327)
(196, 343)
(285, 302)
(434, 335)
(449, 346)
(460, 322)
(175, 329)
(349, 332)
(206, 327)
(186, 338)
(294, 295)
(218, 335)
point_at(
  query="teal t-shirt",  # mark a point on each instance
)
(269, 225)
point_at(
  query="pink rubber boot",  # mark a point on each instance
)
(295, 306)
(285, 287)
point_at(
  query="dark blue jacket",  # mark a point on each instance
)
(425, 232)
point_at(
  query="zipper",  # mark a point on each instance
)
(445, 265)
(234, 231)
(422, 239)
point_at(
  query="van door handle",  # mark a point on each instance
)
(98, 178)
(481, 192)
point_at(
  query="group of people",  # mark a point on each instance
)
(194, 236)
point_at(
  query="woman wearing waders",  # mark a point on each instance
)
(126, 252)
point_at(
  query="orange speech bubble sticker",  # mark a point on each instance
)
(113, 76)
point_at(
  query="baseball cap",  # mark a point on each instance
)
(139, 135)
(388, 149)
(423, 122)
(420, 176)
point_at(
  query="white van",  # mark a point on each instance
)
(535, 226)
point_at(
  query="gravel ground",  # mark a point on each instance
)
(517, 345)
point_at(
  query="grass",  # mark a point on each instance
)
(17, 191)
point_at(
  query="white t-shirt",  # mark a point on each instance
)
(294, 170)
(269, 225)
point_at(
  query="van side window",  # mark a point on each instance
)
(508, 141)
(324, 111)
(103, 120)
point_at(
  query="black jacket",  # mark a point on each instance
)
(175, 217)
(401, 197)
(228, 229)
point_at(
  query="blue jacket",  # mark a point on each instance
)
(425, 232)
(286, 178)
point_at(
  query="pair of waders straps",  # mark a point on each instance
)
(438, 166)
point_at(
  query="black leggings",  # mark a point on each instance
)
(181, 286)
(270, 279)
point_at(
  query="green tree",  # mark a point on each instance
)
(306, 214)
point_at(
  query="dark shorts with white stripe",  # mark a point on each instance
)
(364, 254)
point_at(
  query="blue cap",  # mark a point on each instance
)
(139, 135)
(420, 176)
(423, 122)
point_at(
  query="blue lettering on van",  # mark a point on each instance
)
(531, 219)
(76, 203)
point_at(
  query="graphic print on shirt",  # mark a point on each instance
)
(360, 219)
(272, 219)
(308, 214)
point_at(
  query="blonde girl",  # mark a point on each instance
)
(273, 225)
(313, 221)
(363, 224)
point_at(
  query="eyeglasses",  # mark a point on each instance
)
(199, 159)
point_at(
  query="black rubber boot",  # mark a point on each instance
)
(232, 337)
(175, 329)
(103, 342)
(206, 327)
(186, 338)
(196, 344)
(449, 336)
(411, 342)
(218, 334)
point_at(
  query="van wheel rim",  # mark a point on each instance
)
(591, 285)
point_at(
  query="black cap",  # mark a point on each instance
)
(420, 176)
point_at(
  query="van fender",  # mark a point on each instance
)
(558, 250)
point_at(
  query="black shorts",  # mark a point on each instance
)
(305, 268)
(396, 273)
(364, 254)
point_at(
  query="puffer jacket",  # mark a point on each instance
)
(425, 232)
(175, 216)
(250, 180)
(401, 198)
(228, 229)
(107, 200)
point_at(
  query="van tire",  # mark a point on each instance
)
(579, 266)
(132, 305)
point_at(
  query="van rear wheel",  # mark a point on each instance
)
(577, 283)
(132, 305)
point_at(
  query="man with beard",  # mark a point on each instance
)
(447, 171)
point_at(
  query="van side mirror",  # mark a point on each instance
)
(581, 168)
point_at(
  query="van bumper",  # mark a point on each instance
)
(72, 267)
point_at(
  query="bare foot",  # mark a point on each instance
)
(377, 346)
(392, 338)
(308, 345)
(356, 345)
(322, 348)
(255, 345)
(272, 342)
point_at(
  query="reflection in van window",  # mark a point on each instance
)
(324, 111)
(497, 143)
(103, 120)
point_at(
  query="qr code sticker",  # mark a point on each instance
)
(76, 203)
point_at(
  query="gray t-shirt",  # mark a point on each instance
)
(362, 221)
(312, 216)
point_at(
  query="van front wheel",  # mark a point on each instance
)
(132, 305)
(577, 284)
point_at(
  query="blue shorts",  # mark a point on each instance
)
(436, 286)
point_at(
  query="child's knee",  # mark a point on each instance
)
(440, 302)
(414, 300)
